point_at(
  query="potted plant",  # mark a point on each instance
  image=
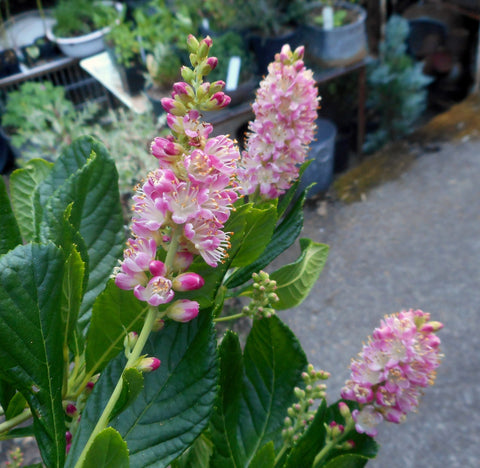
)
(163, 66)
(334, 33)
(124, 49)
(81, 25)
(271, 23)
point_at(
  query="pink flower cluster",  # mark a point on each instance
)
(388, 376)
(285, 112)
(184, 204)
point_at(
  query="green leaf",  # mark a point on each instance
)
(72, 296)
(132, 386)
(250, 414)
(264, 458)
(16, 406)
(225, 418)
(259, 226)
(115, 313)
(10, 232)
(283, 237)
(86, 175)
(295, 280)
(108, 450)
(346, 461)
(31, 338)
(198, 455)
(175, 405)
(23, 185)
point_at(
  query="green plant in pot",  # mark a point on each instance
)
(334, 32)
(82, 24)
(162, 71)
(271, 24)
(124, 48)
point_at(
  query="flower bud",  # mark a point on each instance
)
(431, 327)
(192, 43)
(182, 261)
(187, 282)
(299, 393)
(183, 88)
(187, 74)
(148, 364)
(158, 325)
(217, 86)
(345, 411)
(68, 437)
(130, 340)
(183, 310)
(157, 268)
(71, 410)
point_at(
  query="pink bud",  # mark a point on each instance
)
(68, 447)
(68, 437)
(183, 310)
(431, 327)
(164, 146)
(168, 104)
(90, 386)
(222, 99)
(157, 268)
(148, 364)
(71, 409)
(158, 325)
(344, 410)
(181, 88)
(187, 282)
(212, 62)
(208, 41)
(182, 261)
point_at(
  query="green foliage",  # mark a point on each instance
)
(80, 17)
(108, 450)
(40, 119)
(227, 45)
(125, 43)
(397, 87)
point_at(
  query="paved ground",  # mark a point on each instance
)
(413, 242)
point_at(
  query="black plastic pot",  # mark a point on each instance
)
(132, 78)
(40, 49)
(155, 101)
(9, 64)
(265, 48)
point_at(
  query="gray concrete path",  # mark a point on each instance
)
(412, 243)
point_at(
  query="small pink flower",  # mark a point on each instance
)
(183, 310)
(71, 410)
(367, 420)
(187, 282)
(157, 291)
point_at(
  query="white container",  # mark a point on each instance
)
(82, 46)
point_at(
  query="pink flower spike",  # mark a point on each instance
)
(187, 282)
(148, 364)
(183, 310)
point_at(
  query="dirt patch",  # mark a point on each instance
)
(461, 121)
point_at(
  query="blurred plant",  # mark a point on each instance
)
(163, 66)
(226, 46)
(125, 43)
(397, 87)
(269, 17)
(15, 458)
(40, 119)
(79, 17)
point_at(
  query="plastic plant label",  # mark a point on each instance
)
(233, 73)
(327, 14)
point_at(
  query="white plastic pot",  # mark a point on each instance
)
(82, 46)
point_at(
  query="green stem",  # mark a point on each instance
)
(229, 317)
(320, 458)
(280, 454)
(9, 424)
(137, 350)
